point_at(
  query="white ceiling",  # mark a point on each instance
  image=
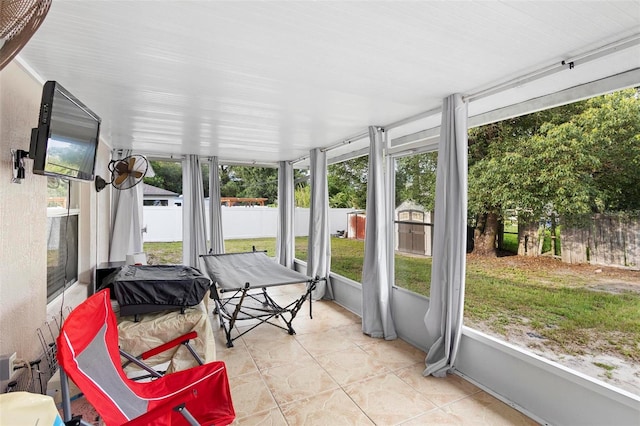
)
(268, 81)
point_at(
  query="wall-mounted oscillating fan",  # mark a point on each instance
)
(125, 173)
(19, 20)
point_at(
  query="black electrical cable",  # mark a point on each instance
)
(66, 248)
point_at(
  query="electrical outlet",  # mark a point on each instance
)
(12, 365)
(7, 363)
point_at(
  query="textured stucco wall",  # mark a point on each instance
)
(23, 220)
(23, 223)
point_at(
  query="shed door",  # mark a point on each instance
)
(411, 235)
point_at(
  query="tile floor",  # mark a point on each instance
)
(329, 373)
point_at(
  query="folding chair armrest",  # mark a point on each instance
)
(164, 409)
(166, 346)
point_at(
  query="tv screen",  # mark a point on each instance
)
(65, 142)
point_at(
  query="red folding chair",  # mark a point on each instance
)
(88, 353)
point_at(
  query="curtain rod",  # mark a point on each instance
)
(570, 64)
(343, 142)
(413, 118)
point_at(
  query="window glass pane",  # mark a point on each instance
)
(163, 236)
(249, 208)
(62, 253)
(347, 182)
(553, 200)
(62, 235)
(415, 183)
(61, 194)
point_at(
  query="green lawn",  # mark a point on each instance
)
(171, 253)
(501, 296)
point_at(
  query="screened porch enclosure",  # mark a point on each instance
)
(308, 84)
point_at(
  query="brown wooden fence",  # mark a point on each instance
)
(607, 240)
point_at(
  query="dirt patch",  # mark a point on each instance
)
(591, 358)
(615, 287)
(556, 266)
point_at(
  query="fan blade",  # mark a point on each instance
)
(137, 174)
(121, 167)
(121, 178)
(132, 163)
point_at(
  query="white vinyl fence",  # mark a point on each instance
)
(164, 223)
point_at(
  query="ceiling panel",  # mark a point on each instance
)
(268, 81)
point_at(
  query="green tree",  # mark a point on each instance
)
(348, 183)
(568, 160)
(204, 166)
(256, 182)
(168, 175)
(493, 150)
(611, 128)
(302, 194)
(416, 179)
(230, 186)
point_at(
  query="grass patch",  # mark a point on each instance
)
(413, 273)
(171, 253)
(240, 246)
(510, 243)
(346, 256)
(164, 253)
(608, 369)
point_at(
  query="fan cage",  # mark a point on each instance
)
(15, 15)
(130, 181)
(19, 20)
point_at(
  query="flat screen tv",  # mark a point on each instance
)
(65, 143)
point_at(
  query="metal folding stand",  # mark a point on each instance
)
(256, 304)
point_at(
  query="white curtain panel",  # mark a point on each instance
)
(126, 221)
(376, 274)
(194, 229)
(319, 244)
(285, 236)
(216, 237)
(444, 316)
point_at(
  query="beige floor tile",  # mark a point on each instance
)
(351, 365)
(250, 395)
(396, 353)
(265, 333)
(482, 409)
(434, 418)
(305, 325)
(354, 334)
(324, 342)
(334, 311)
(441, 391)
(326, 315)
(237, 359)
(297, 380)
(271, 417)
(327, 408)
(268, 355)
(387, 400)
